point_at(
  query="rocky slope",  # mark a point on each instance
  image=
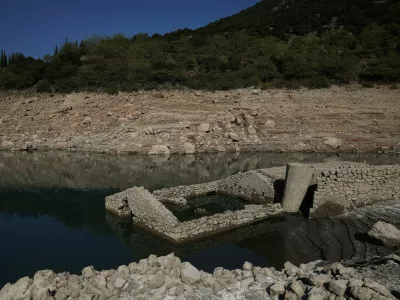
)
(335, 119)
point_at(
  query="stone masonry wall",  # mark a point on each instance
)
(147, 210)
(195, 229)
(351, 186)
(252, 186)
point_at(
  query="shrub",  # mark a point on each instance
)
(44, 86)
(319, 82)
(368, 85)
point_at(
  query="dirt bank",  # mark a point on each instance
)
(335, 119)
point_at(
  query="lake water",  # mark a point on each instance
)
(52, 212)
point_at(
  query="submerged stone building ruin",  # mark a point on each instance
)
(321, 189)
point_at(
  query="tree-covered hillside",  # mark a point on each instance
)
(282, 43)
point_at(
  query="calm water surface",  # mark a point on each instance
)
(52, 211)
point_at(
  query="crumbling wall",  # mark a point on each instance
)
(198, 228)
(252, 186)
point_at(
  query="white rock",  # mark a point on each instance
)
(87, 120)
(88, 272)
(189, 274)
(159, 150)
(270, 124)
(189, 148)
(234, 136)
(245, 283)
(205, 127)
(333, 142)
(385, 233)
(119, 283)
(251, 130)
(247, 266)
(338, 287)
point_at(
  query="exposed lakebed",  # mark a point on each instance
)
(52, 214)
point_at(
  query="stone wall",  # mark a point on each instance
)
(195, 229)
(252, 186)
(351, 186)
(175, 194)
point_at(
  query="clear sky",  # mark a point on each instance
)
(34, 27)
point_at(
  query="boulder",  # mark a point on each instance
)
(205, 127)
(251, 130)
(159, 150)
(338, 287)
(234, 136)
(333, 142)
(88, 272)
(189, 274)
(189, 148)
(270, 124)
(385, 233)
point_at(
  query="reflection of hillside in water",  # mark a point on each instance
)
(98, 171)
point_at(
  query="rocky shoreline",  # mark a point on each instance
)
(189, 122)
(167, 277)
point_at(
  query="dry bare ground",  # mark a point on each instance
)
(336, 119)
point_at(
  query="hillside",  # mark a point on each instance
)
(280, 17)
(272, 44)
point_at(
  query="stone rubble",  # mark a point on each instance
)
(167, 277)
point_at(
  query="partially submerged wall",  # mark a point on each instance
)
(252, 186)
(347, 187)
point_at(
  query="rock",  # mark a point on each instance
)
(355, 282)
(205, 127)
(251, 130)
(159, 150)
(159, 293)
(333, 142)
(339, 269)
(189, 274)
(157, 281)
(270, 124)
(238, 120)
(247, 274)
(385, 233)
(249, 120)
(377, 287)
(315, 297)
(119, 283)
(234, 136)
(261, 279)
(88, 272)
(87, 120)
(189, 148)
(247, 266)
(277, 289)
(254, 113)
(317, 280)
(361, 293)
(245, 283)
(255, 92)
(291, 269)
(197, 94)
(338, 287)
(297, 288)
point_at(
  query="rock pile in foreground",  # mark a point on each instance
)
(167, 277)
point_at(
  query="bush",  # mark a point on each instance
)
(368, 85)
(44, 86)
(111, 90)
(394, 86)
(318, 82)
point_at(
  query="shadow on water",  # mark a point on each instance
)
(52, 213)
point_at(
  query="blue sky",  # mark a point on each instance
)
(34, 27)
